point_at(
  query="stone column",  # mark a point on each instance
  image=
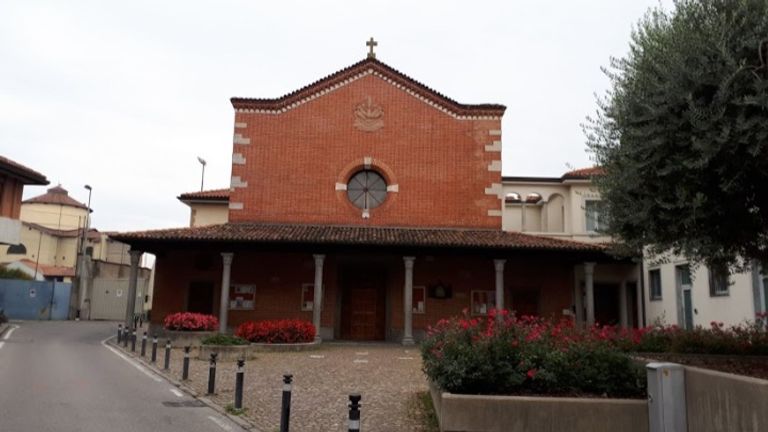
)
(317, 301)
(499, 265)
(133, 282)
(578, 298)
(589, 287)
(408, 301)
(623, 316)
(226, 274)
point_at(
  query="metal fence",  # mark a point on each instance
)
(35, 300)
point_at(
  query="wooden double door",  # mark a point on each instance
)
(363, 302)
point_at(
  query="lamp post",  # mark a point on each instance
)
(81, 264)
(202, 177)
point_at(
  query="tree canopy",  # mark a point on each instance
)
(682, 134)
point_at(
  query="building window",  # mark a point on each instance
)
(483, 302)
(419, 299)
(593, 210)
(654, 280)
(307, 297)
(367, 189)
(718, 281)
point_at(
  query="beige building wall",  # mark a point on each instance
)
(54, 216)
(560, 213)
(203, 214)
(736, 307)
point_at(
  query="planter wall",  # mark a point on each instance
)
(719, 401)
(479, 413)
(226, 352)
(179, 339)
(263, 347)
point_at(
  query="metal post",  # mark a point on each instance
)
(133, 341)
(212, 374)
(285, 416)
(185, 364)
(154, 348)
(126, 336)
(354, 412)
(239, 383)
(119, 333)
(167, 364)
(144, 345)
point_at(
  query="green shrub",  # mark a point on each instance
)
(223, 339)
(527, 356)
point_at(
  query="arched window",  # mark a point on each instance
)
(367, 189)
(512, 198)
(18, 249)
(532, 198)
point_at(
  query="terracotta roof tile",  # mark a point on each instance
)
(49, 270)
(358, 235)
(56, 195)
(207, 195)
(584, 173)
(389, 72)
(27, 175)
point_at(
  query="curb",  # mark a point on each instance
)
(239, 420)
(4, 328)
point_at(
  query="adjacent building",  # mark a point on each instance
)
(13, 178)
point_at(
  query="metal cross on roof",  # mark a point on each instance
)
(371, 44)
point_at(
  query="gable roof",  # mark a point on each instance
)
(49, 270)
(584, 173)
(359, 70)
(26, 175)
(577, 174)
(212, 195)
(56, 195)
(92, 234)
(358, 235)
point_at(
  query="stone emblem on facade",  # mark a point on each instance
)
(369, 117)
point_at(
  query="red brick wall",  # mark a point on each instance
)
(278, 278)
(295, 159)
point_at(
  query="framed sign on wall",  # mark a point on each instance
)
(242, 297)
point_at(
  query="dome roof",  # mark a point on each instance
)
(56, 195)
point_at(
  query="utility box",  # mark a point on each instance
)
(666, 398)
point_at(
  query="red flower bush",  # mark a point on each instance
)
(190, 321)
(277, 331)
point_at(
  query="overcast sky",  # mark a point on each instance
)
(125, 95)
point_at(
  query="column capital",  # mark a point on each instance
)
(589, 268)
(227, 257)
(409, 261)
(499, 264)
(319, 258)
(135, 252)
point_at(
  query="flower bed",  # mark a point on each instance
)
(527, 356)
(190, 321)
(289, 331)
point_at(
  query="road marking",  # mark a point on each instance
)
(360, 361)
(316, 356)
(177, 393)
(132, 362)
(405, 358)
(8, 333)
(220, 423)
(362, 353)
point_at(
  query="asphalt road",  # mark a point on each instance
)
(59, 376)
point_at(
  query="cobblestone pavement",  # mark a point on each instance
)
(388, 376)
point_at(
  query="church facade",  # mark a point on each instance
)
(371, 205)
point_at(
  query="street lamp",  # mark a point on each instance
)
(81, 261)
(202, 177)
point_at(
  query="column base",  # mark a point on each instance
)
(408, 341)
(318, 339)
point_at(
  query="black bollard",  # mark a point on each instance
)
(126, 336)
(239, 384)
(144, 345)
(354, 412)
(185, 364)
(212, 374)
(133, 341)
(154, 348)
(167, 364)
(119, 333)
(285, 414)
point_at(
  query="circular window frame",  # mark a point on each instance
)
(371, 187)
